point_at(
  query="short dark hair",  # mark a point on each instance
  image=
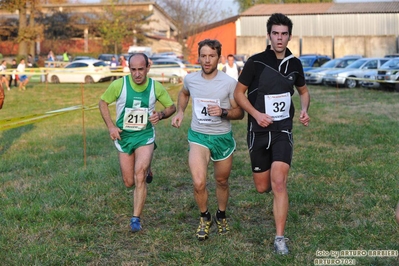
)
(147, 63)
(214, 44)
(279, 19)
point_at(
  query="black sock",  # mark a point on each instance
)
(206, 214)
(221, 214)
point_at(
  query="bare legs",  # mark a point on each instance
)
(134, 169)
(199, 158)
(277, 178)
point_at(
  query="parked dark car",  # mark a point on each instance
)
(391, 55)
(82, 57)
(107, 58)
(310, 61)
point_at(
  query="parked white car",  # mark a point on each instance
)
(168, 70)
(350, 75)
(82, 71)
(316, 75)
(370, 80)
(388, 75)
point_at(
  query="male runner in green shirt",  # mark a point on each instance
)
(133, 132)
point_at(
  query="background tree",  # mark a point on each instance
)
(28, 31)
(8, 29)
(8, 32)
(62, 26)
(116, 24)
(21, 7)
(190, 15)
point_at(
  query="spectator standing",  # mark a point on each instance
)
(65, 56)
(23, 78)
(50, 58)
(41, 64)
(114, 66)
(13, 76)
(231, 68)
(222, 62)
(3, 79)
(114, 63)
(30, 61)
(123, 63)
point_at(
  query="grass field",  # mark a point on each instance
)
(55, 210)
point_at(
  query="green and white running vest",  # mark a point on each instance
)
(134, 108)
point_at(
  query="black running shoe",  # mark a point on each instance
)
(149, 177)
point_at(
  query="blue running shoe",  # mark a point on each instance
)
(135, 224)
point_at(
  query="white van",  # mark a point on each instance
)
(140, 49)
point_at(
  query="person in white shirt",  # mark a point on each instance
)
(231, 68)
(3, 79)
(23, 78)
(222, 62)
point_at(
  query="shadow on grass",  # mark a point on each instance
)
(9, 136)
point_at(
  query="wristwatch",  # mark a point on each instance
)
(224, 113)
(162, 115)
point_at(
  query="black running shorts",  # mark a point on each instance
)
(268, 147)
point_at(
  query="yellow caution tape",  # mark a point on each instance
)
(15, 122)
(22, 121)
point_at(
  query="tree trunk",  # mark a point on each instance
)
(23, 48)
(32, 42)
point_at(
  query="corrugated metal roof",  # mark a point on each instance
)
(322, 8)
(371, 7)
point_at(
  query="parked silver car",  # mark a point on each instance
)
(168, 70)
(316, 75)
(350, 75)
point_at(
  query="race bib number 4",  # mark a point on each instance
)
(201, 111)
(278, 106)
(135, 119)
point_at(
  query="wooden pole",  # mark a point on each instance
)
(83, 125)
